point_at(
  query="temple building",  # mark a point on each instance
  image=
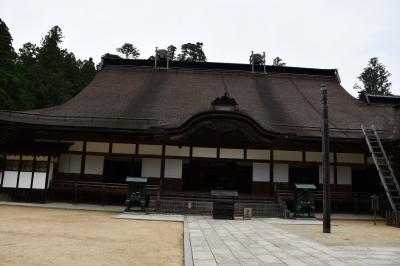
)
(192, 127)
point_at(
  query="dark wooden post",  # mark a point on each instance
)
(325, 168)
(162, 170)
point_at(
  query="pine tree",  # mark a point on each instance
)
(374, 78)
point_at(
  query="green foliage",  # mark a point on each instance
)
(41, 76)
(7, 53)
(374, 78)
(278, 62)
(258, 59)
(171, 50)
(9, 77)
(192, 53)
(129, 51)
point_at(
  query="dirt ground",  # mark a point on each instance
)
(346, 232)
(39, 236)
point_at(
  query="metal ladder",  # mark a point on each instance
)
(383, 166)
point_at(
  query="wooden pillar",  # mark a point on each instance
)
(3, 169)
(335, 169)
(33, 171)
(83, 161)
(47, 172)
(271, 172)
(162, 170)
(326, 165)
(19, 170)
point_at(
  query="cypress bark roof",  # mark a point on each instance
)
(132, 95)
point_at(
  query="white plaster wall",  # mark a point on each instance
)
(123, 148)
(281, 173)
(75, 163)
(331, 174)
(25, 180)
(316, 156)
(146, 149)
(296, 156)
(94, 165)
(151, 167)
(39, 180)
(70, 163)
(261, 172)
(76, 146)
(97, 147)
(183, 151)
(231, 153)
(350, 158)
(344, 175)
(10, 179)
(205, 152)
(258, 154)
(173, 168)
(63, 163)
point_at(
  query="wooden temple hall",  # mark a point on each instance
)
(195, 127)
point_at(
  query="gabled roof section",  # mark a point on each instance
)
(132, 95)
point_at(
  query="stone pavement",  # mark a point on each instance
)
(258, 242)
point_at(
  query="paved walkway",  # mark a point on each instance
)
(258, 242)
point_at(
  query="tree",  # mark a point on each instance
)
(257, 58)
(192, 53)
(171, 50)
(7, 53)
(42, 76)
(129, 51)
(10, 80)
(28, 54)
(374, 79)
(278, 62)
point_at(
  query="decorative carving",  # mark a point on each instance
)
(224, 103)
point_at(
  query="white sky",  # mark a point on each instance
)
(314, 33)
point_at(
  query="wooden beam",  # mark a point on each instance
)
(47, 172)
(19, 170)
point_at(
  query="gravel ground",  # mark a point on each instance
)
(343, 232)
(40, 236)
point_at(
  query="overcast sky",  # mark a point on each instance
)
(340, 34)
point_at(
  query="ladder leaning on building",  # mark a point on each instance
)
(383, 166)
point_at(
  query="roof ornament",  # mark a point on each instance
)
(257, 59)
(161, 54)
(224, 103)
